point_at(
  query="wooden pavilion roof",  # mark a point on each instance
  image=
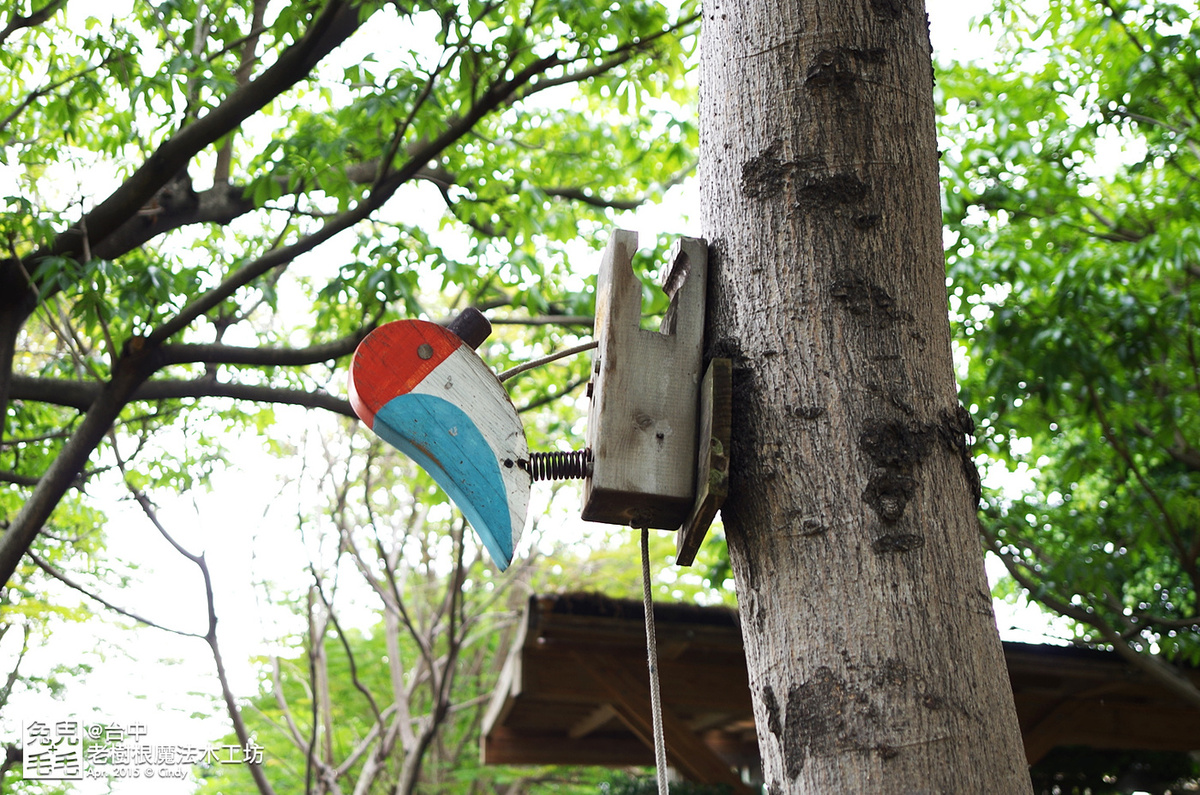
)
(575, 691)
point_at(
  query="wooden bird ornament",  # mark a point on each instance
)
(424, 391)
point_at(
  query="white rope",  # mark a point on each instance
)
(660, 745)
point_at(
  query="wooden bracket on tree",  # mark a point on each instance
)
(712, 463)
(642, 423)
(657, 437)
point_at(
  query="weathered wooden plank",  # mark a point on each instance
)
(712, 463)
(510, 686)
(595, 719)
(642, 419)
(691, 684)
(505, 747)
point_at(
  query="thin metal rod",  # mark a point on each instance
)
(565, 352)
(660, 743)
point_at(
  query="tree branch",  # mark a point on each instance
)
(220, 204)
(27, 481)
(285, 709)
(241, 78)
(263, 357)
(62, 577)
(497, 96)
(1172, 528)
(224, 202)
(1162, 672)
(130, 372)
(210, 636)
(336, 22)
(36, 18)
(235, 713)
(345, 643)
(37, 94)
(15, 674)
(81, 395)
(548, 399)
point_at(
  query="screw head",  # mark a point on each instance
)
(425, 351)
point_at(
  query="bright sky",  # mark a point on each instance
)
(132, 684)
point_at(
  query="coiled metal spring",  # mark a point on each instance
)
(558, 465)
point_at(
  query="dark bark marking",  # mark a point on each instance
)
(889, 9)
(805, 412)
(808, 525)
(811, 527)
(765, 175)
(929, 44)
(886, 751)
(898, 542)
(888, 494)
(831, 191)
(866, 221)
(956, 431)
(896, 450)
(890, 444)
(897, 400)
(919, 339)
(829, 69)
(893, 672)
(774, 725)
(866, 299)
(838, 68)
(816, 719)
(932, 701)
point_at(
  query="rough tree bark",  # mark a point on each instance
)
(873, 652)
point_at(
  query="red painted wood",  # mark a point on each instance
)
(388, 363)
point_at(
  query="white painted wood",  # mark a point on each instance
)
(467, 382)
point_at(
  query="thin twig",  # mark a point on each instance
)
(62, 577)
(358, 685)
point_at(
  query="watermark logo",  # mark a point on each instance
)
(68, 750)
(53, 750)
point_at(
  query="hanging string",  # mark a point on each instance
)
(660, 745)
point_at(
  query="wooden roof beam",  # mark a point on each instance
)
(687, 753)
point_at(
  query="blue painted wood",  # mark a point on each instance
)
(445, 442)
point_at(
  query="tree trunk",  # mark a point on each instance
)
(874, 658)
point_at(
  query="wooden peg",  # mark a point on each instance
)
(471, 327)
(642, 421)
